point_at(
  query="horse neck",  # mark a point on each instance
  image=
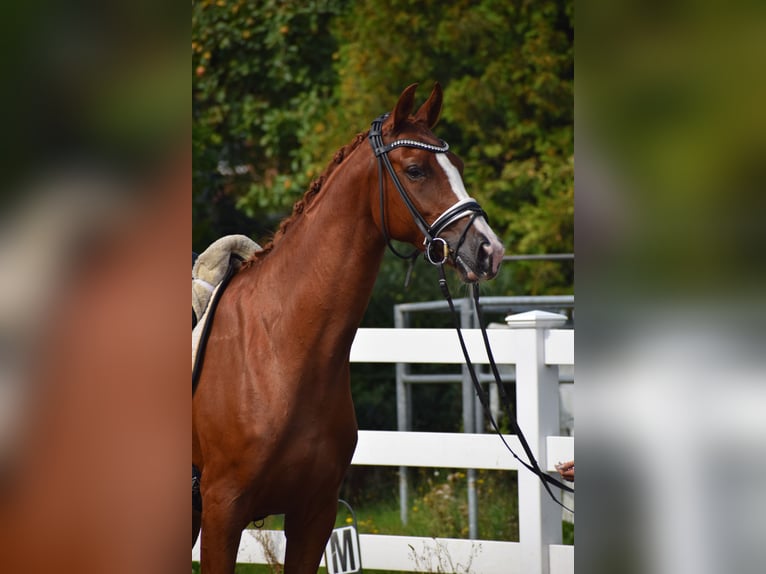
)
(329, 258)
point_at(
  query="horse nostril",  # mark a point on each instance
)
(484, 257)
(488, 257)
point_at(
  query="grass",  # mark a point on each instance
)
(438, 508)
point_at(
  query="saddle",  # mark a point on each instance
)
(210, 267)
(211, 270)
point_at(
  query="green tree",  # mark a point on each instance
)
(261, 76)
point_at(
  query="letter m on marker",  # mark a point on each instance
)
(343, 551)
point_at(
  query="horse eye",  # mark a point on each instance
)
(414, 172)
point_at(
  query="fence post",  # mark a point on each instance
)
(403, 415)
(536, 389)
(473, 422)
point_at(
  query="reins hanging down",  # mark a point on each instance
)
(532, 465)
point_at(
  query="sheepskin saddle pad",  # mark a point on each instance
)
(208, 271)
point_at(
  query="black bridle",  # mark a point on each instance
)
(437, 251)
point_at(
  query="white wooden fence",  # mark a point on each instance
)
(536, 348)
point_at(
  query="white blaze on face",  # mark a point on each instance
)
(453, 176)
(458, 188)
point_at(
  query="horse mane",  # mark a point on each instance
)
(302, 204)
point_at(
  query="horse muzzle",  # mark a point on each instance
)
(479, 258)
(475, 251)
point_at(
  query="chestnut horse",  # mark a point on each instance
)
(273, 423)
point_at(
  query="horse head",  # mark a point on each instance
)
(422, 198)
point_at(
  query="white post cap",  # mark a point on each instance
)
(536, 320)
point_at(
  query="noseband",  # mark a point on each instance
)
(436, 249)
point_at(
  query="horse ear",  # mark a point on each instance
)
(430, 110)
(403, 107)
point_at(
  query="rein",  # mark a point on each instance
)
(437, 252)
(532, 465)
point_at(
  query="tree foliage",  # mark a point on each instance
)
(279, 85)
(261, 74)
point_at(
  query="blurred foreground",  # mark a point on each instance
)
(671, 288)
(96, 211)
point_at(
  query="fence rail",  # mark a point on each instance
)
(536, 347)
(386, 552)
